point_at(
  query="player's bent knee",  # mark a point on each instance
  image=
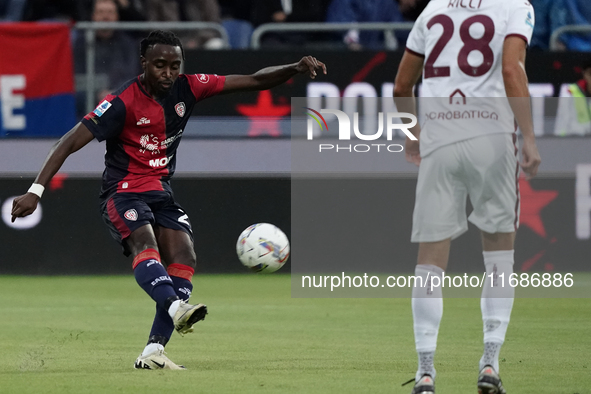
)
(138, 247)
(142, 239)
(190, 263)
(184, 258)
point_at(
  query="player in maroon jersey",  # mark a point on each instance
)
(475, 50)
(142, 124)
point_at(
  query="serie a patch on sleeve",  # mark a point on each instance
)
(102, 108)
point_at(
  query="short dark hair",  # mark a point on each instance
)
(586, 65)
(160, 37)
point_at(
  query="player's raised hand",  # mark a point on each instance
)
(412, 152)
(309, 64)
(24, 206)
(530, 158)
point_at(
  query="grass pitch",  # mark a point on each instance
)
(82, 335)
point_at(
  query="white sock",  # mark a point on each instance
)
(491, 355)
(427, 309)
(151, 348)
(425, 365)
(496, 304)
(173, 308)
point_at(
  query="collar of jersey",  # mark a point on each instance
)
(141, 87)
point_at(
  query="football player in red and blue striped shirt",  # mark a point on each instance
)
(142, 124)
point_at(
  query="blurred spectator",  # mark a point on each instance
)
(52, 10)
(236, 19)
(411, 9)
(116, 54)
(287, 11)
(572, 12)
(236, 9)
(129, 10)
(266, 11)
(366, 11)
(574, 111)
(240, 17)
(306, 10)
(12, 10)
(541, 36)
(194, 11)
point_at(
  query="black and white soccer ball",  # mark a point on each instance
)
(263, 247)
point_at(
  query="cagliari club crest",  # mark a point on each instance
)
(180, 109)
(130, 214)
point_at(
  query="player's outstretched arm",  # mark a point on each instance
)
(272, 76)
(409, 72)
(72, 141)
(516, 87)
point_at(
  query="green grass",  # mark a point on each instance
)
(82, 334)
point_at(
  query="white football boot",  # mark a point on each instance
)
(156, 360)
(187, 315)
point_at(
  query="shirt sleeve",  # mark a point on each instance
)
(107, 120)
(415, 43)
(521, 20)
(205, 85)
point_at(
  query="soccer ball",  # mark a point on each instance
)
(263, 247)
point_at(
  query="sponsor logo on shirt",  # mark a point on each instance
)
(161, 162)
(102, 108)
(130, 214)
(142, 121)
(472, 114)
(149, 142)
(180, 109)
(203, 78)
(164, 144)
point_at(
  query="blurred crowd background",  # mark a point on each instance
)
(241, 17)
(232, 23)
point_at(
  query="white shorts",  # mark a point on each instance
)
(486, 169)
